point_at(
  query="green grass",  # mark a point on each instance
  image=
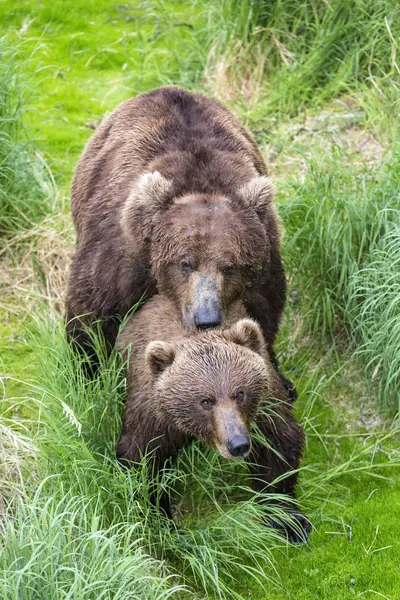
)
(342, 240)
(59, 549)
(98, 517)
(75, 524)
(95, 54)
(311, 51)
(27, 192)
(353, 552)
(333, 220)
(84, 489)
(373, 308)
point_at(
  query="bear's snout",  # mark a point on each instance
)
(231, 433)
(204, 309)
(205, 318)
(239, 445)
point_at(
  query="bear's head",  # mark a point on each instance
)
(204, 248)
(209, 386)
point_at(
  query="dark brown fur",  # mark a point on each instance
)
(168, 379)
(171, 195)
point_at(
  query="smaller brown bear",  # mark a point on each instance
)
(209, 386)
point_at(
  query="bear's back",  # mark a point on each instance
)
(191, 130)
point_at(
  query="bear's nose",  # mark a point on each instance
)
(207, 319)
(239, 445)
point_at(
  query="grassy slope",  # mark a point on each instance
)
(84, 54)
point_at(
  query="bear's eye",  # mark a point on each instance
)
(228, 270)
(186, 266)
(207, 403)
(240, 396)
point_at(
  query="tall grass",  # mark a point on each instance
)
(56, 547)
(84, 527)
(373, 308)
(311, 51)
(96, 510)
(27, 190)
(16, 451)
(332, 221)
(341, 241)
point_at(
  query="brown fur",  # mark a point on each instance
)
(171, 195)
(171, 371)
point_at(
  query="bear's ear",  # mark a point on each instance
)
(150, 193)
(152, 189)
(258, 193)
(159, 356)
(247, 333)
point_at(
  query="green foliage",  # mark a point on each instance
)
(90, 497)
(85, 73)
(333, 220)
(342, 239)
(26, 187)
(56, 547)
(313, 51)
(84, 526)
(373, 309)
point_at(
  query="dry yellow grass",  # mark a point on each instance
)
(38, 269)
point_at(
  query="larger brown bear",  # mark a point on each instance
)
(211, 386)
(171, 195)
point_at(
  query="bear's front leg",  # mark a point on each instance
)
(105, 283)
(274, 464)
